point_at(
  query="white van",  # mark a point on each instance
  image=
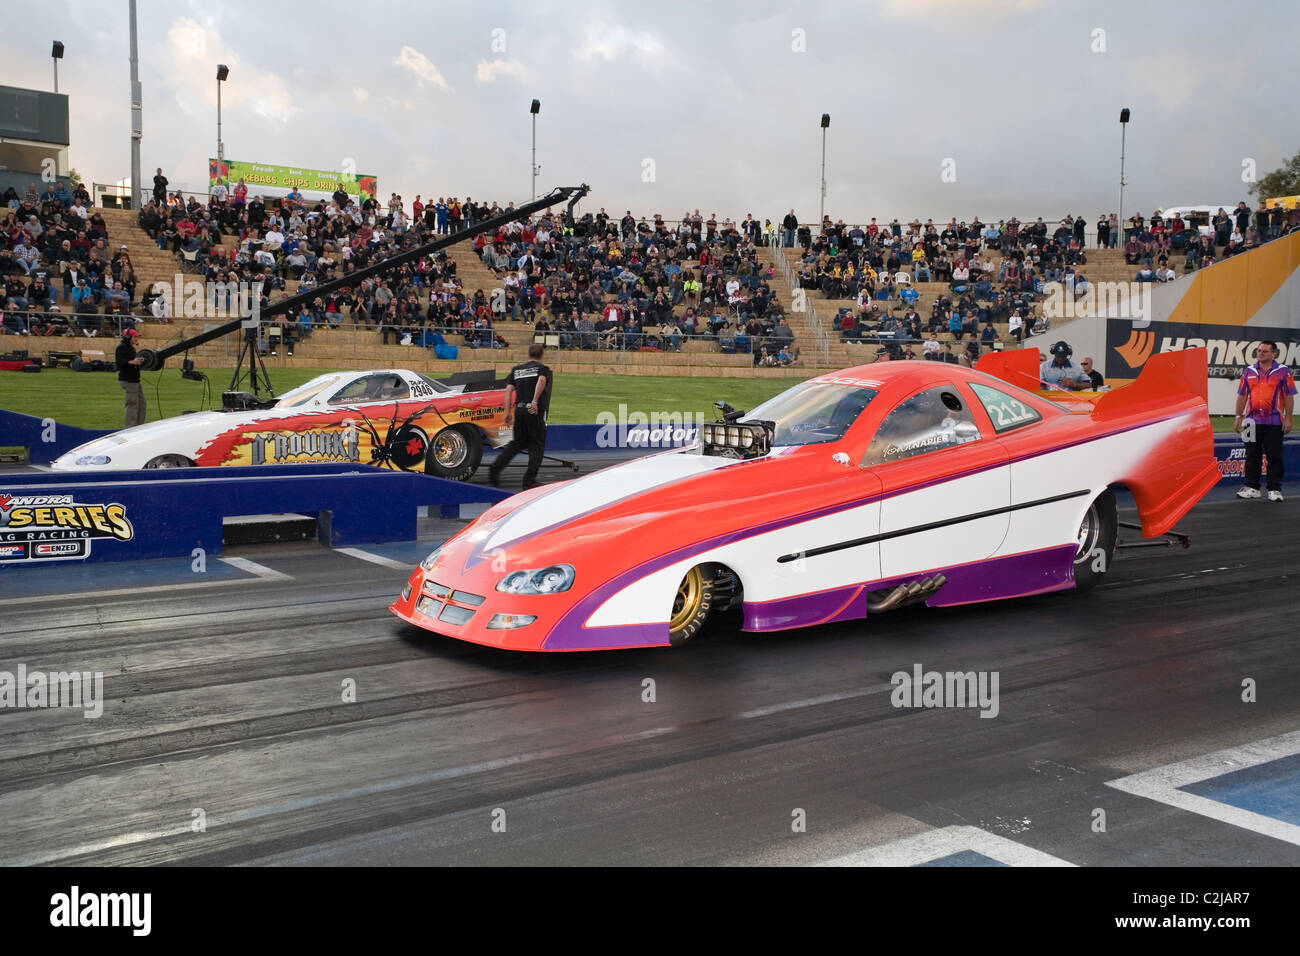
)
(1201, 214)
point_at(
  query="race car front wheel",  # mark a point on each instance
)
(454, 453)
(691, 606)
(1096, 542)
(169, 461)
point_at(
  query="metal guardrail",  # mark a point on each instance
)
(578, 347)
(113, 196)
(67, 326)
(1089, 233)
(821, 342)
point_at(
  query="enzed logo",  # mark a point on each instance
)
(1137, 349)
(64, 547)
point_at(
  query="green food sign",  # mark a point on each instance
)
(259, 175)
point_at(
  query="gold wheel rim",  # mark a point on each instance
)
(450, 448)
(686, 603)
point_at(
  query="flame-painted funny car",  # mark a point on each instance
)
(847, 496)
(393, 418)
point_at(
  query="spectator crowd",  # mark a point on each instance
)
(58, 269)
(594, 283)
(996, 273)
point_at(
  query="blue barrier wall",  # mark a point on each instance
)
(44, 438)
(168, 513)
(1231, 455)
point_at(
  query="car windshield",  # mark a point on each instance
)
(814, 412)
(305, 393)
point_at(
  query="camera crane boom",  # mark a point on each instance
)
(152, 360)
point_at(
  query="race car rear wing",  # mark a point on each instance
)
(1180, 467)
(1018, 367)
(1165, 377)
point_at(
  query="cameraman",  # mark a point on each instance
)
(128, 376)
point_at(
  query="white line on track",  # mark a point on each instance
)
(1162, 784)
(260, 571)
(936, 844)
(375, 558)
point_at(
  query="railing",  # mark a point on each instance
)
(821, 342)
(1089, 233)
(575, 345)
(113, 196)
(64, 326)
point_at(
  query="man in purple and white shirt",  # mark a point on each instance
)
(1267, 395)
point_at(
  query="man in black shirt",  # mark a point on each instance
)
(528, 398)
(1095, 377)
(128, 376)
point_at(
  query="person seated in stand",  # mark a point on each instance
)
(726, 338)
(1095, 378)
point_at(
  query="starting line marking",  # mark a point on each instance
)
(937, 844)
(1163, 784)
(259, 571)
(375, 558)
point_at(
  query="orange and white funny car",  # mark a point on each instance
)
(394, 418)
(847, 496)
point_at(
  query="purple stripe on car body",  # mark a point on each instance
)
(806, 610)
(1014, 575)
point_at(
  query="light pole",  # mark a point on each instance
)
(535, 108)
(57, 54)
(137, 107)
(1123, 133)
(826, 122)
(223, 71)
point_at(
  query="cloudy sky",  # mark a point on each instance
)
(938, 107)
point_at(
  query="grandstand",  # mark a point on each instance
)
(361, 346)
(830, 289)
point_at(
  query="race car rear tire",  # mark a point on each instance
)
(691, 605)
(1097, 536)
(454, 453)
(169, 461)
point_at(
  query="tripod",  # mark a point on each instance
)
(258, 378)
